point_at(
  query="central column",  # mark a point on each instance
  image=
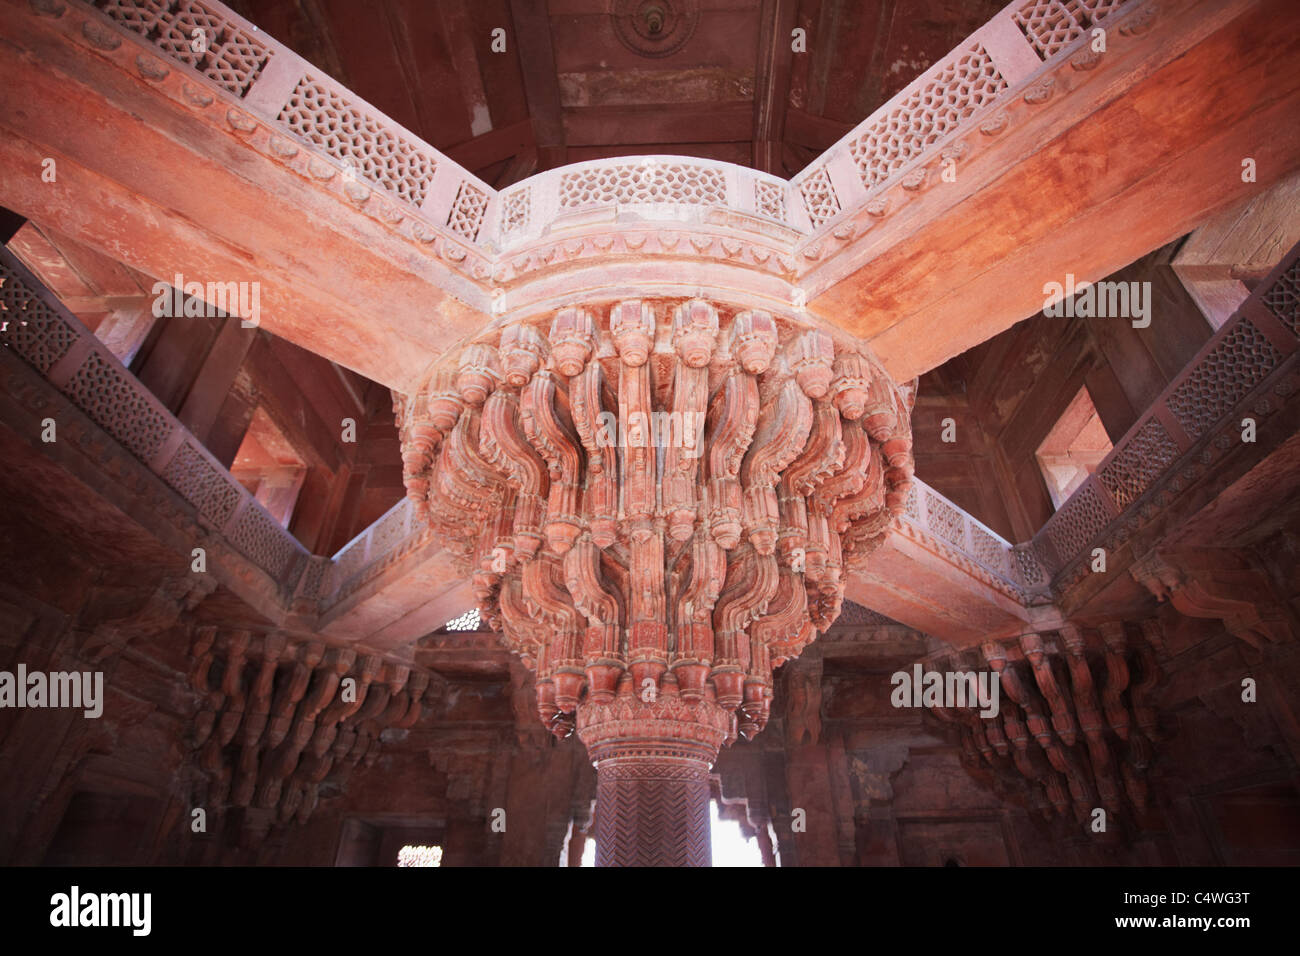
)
(652, 760)
(657, 502)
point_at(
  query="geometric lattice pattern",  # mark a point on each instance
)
(117, 403)
(263, 541)
(213, 494)
(819, 197)
(315, 577)
(1237, 364)
(1283, 299)
(469, 621)
(652, 814)
(385, 158)
(989, 551)
(227, 54)
(926, 115)
(1080, 520)
(467, 211)
(1051, 25)
(855, 615)
(945, 521)
(516, 213)
(31, 328)
(1139, 462)
(1030, 570)
(769, 199)
(643, 183)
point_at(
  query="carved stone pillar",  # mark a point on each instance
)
(652, 763)
(657, 502)
(652, 811)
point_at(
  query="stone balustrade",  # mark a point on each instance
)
(49, 339)
(326, 132)
(931, 119)
(931, 514)
(1248, 369)
(674, 188)
(329, 133)
(399, 530)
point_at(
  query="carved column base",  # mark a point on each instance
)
(652, 762)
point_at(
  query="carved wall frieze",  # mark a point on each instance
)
(547, 256)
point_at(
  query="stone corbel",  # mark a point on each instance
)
(803, 720)
(1091, 720)
(875, 774)
(175, 595)
(1195, 594)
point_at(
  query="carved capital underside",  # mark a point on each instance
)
(657, 502)
(275, 717)
(1075, 727)
(658, 497)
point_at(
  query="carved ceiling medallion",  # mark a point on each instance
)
(655, 28)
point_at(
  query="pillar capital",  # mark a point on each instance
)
(658, 500)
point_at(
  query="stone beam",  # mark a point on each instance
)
(1058, 159)
(939, 571)
(229, 175)
(1241, 243)
(532, 33)
(942, 572)
(772, 81)
(397, 597)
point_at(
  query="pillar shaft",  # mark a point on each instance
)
(652, 760)
(652, 811)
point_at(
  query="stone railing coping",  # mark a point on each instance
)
(1023, 39)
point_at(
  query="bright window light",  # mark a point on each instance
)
(730, 848)
(466, 622)
(413, 855)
